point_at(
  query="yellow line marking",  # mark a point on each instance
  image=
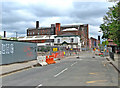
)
(90, 81)
(92, 73)
(96, 81)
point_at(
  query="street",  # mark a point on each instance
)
(72, 71)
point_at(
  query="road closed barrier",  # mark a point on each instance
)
(50, 59)
(42, 60)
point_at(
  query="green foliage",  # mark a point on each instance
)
(105, 43)
(99, 44)
(13, 38)
(0, 37)
(111, 25)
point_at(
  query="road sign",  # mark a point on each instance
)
(54, 49)
(64, 53)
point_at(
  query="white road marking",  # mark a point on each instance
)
(60, 72)
(73, 64)
(38, 86)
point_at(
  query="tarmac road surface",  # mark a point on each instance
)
(85, 71)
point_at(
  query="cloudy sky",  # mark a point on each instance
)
(18, 15)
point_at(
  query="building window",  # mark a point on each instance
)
(48, 32)
(58, 40)
(72, 40)
(38, 33)
(45, 31)
(33, 33)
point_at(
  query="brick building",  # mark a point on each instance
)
(93, 43)
(58, 29)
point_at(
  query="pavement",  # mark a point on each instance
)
(6, 69)
(70, 71)
(116, 61)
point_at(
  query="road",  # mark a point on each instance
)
(85, 71)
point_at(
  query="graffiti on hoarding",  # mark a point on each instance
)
(28, 49)
(29, 54)
(7, 49)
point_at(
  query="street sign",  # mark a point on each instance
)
(54, 49)
(64, 53)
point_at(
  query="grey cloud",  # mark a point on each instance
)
(88, 10)
(16, 16)
(20, 27)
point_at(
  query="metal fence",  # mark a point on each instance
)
(14, 51)
(111, 55)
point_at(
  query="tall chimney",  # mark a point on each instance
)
(4, 34)
(37, 24)
(99, 38)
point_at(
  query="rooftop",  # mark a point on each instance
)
(70, 29)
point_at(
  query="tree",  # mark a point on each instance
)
(0, 37)
(105, 43)
(111, 25)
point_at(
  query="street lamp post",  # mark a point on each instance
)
(16, 34)
(50, 41)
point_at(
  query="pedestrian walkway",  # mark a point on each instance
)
(5, 69)
(116, 60)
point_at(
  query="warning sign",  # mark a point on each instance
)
(64, 53)
(54, 49)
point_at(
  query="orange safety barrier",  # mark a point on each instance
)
(59, 54)
(98, 49)
(51, 56)
(107, 51)
(50, 60)
(54, 55)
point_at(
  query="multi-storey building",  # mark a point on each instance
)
(57, 29)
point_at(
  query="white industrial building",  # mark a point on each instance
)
(41, 40)
(68, 40)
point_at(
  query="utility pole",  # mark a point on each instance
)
(16, 35)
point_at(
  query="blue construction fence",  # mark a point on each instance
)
(15, 51)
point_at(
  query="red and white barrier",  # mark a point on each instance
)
(42, 60)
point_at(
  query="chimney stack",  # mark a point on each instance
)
(4, 34)
(99, 38)
(37, 24)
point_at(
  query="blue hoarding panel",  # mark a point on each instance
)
(14, 51)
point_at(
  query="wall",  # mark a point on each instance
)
(14, 51)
